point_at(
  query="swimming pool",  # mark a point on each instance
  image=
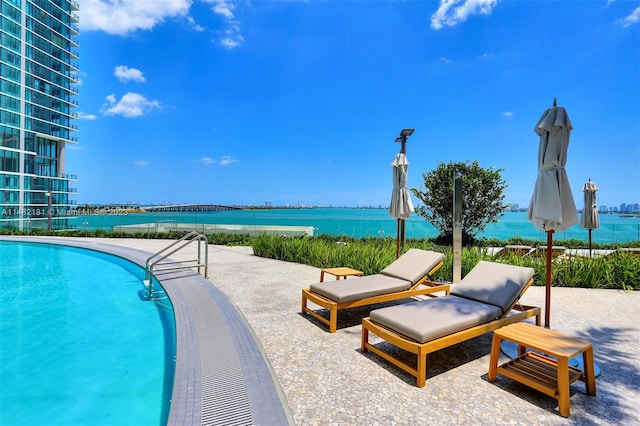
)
(79, 344)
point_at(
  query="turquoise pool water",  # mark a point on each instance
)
(78, 344)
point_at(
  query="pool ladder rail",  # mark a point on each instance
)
(158, 261)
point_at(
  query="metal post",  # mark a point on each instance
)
(49, 195)
(403, 236)
(547, 304)
(398, 238)
(457, 226)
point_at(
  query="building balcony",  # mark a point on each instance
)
(56, 175)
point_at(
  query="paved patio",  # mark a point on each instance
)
(327, 380)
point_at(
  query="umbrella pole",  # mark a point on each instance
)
(590, 255)
(547, 305)
(398, 240)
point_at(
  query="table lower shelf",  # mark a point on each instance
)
(538, 372)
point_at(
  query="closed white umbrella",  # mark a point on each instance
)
(590, 219)
(552, 207)
(401, 205)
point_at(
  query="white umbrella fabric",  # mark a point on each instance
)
(401, 205)
(552, 207)
(590, 219)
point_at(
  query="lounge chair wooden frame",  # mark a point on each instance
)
(633, 252)
(556, 251)
(423, 349)
(428, 288)
(514, 250)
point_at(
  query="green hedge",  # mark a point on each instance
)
(371, 255)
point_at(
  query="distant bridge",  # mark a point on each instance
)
(190, 208)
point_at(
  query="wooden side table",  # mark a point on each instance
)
(341, 272)
(550, 376)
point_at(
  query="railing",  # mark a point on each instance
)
(159, 259)
(613, 228)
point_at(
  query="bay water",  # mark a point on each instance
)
(362, 222)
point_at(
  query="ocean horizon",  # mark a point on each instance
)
(361, 223)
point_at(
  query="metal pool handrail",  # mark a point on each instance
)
(185, 264)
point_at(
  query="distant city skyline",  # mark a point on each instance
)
(622, 207)
(635, 207)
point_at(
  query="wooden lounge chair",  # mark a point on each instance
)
(408, 276)
(483, 301)
(541, 251)
(514, 250)
(632, 252)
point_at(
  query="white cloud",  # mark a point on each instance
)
(223, 7)
(125, 74)
(452, 12)
(130, 105)
(142, 163)
(83, 116)
(226, 159)
(196, 27)
(231, 37)
(122, 17)
(446, 60)
(631, 19)
(232, 42)
(508, 114)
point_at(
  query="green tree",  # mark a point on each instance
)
(482, 199)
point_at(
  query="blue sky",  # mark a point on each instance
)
(299, 102)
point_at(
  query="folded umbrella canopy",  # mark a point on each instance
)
(401, 205)
(590, 219)
(552, 207)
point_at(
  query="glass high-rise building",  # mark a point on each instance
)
(38, 76)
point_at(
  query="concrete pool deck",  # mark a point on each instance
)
(325, 379)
